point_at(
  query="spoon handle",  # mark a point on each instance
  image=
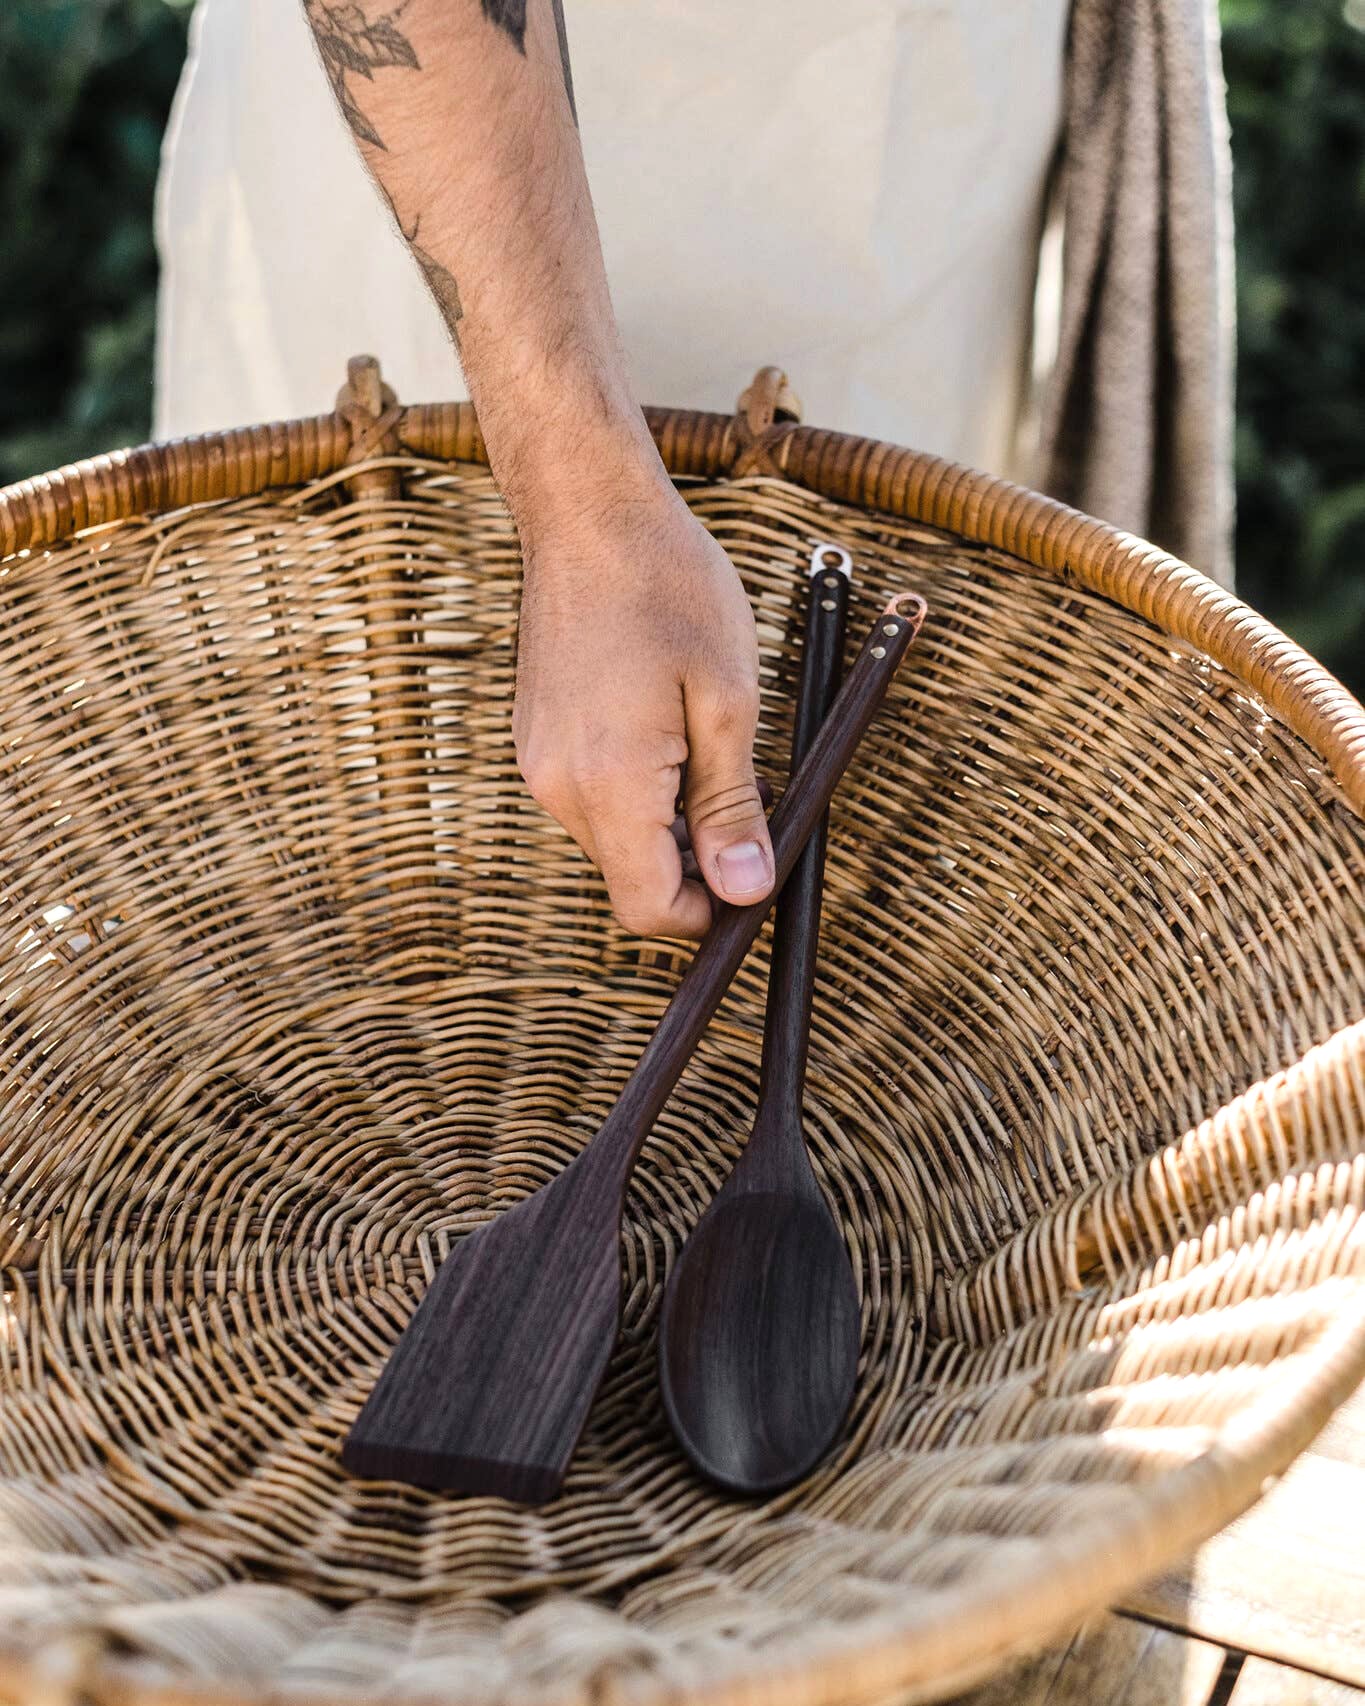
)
(796, 927)
(719, 957)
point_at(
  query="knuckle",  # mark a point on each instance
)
(737, 806)
(637, 917)
(732, 706)
(588, 773)
(598, 778)
(547, 778)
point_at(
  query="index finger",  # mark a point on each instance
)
(641, 862)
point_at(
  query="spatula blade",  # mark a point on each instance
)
(488, 1388)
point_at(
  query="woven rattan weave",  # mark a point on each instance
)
(298, 985)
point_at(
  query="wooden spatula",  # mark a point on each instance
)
(489, 1386)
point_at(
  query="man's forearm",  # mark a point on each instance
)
(464, 112)
(636, 647)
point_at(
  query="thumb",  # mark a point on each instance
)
(725, 820)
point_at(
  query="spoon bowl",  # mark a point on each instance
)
(759, 1340)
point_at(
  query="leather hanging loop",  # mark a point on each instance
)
(767, 411)
(372, 415)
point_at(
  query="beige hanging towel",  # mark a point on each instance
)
(1136, 423)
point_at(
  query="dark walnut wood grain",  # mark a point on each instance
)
(488, 1388)
(758, 1340)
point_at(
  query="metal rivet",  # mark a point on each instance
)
(879, 651)
(831, 580)
(828, 604)
(890, 628)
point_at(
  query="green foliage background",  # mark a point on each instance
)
(85, 86)
(1296, 96)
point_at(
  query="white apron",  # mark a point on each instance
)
(850, 189)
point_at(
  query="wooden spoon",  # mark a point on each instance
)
(758, 1339)
(489, 1386)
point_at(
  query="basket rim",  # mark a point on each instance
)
(913, 485)
(1092, 1563)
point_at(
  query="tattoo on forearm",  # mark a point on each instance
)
(510, 17)
(562, 37)
(353, 45)
(440, 281)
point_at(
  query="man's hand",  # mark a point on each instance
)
(637, 643)
(637, 654)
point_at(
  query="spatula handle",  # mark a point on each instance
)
(720, 955)
(796, 926)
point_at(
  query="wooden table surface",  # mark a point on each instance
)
(1271, 1612)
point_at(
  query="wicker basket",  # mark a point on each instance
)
(298, 986)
